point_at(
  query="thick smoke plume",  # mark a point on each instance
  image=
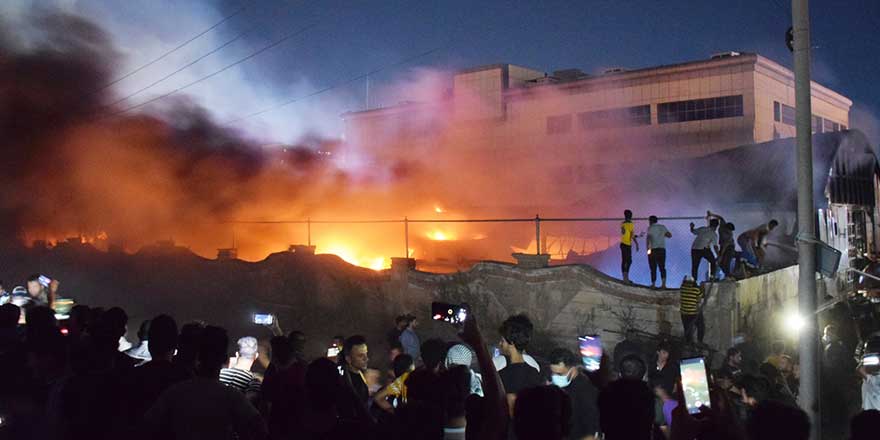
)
(73, 166)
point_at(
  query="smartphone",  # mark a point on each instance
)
(264, 318)
(333, 351)
(44, 280)
(451, 313)
(495, 352)
(695, 384)
(591, 351)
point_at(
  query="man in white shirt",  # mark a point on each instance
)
(657, 235)
(706, 239)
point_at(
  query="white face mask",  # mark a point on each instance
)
(561, 380)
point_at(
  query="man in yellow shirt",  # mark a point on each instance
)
(627, 240)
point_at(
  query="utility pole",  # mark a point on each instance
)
(809, 337)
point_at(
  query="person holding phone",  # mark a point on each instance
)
(584, 396)
(41, 290)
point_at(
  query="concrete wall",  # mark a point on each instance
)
(562, 301)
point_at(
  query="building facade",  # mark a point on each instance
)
(558, 135)
(681, 110)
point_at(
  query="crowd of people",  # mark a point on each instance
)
(73, 379)
(713, 243)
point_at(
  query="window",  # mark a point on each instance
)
(777, 115)
(842, 127)
(828, 125)
(817, 124)
(788, 114)
(558, 124)
(616, 117)
(700, 109)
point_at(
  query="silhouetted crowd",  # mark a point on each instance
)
(74, 379)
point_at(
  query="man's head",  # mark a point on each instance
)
(772, 225)
(413, 322)
(663, 351)
(248, 348)
(212, 354)
(188, 342)
(632, 367)
(730, 226)
(9, 314)
(542, 412)
(516, 333)
(713, 223)
(626, 410)
(688, 281)
(830, 333)
(162, 336)
(772, 420)
(356, 353)
(433, 352)
(627, 214)
(563, 366)
(395, 351)
(401, 322)
(459, 354)
(652, 219)
(282, 351)
(734, 357)
(34, 287)
(297, 342)
(401, 364)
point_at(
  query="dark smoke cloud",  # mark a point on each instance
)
(70, 166)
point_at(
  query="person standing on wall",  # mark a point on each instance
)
(656, 244)
(627, 240)
(705, 240)
(725, 242)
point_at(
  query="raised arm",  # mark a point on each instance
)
(497, 414)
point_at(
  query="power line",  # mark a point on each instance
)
(215, 73)
(175, 49)
(175, 72)
(191, 63)
(339, 84)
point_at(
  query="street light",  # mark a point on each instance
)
(793, 322)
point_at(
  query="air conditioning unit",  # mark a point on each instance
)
(729, 54)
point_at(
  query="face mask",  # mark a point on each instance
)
(561, 381)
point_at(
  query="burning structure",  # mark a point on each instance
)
(506, 142)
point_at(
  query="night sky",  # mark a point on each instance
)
(341, 40)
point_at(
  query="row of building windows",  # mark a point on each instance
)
(786, 115)
(700, 109)
(669, 112)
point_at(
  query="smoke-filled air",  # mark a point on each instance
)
(76, 165)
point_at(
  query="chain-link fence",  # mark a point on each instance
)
(448, 245)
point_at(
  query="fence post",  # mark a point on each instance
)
(406, 237)
(537, 235)
(309, 230)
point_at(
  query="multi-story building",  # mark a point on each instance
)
(566, 123)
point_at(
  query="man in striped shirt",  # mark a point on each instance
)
(239, 375)
(691, 309)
